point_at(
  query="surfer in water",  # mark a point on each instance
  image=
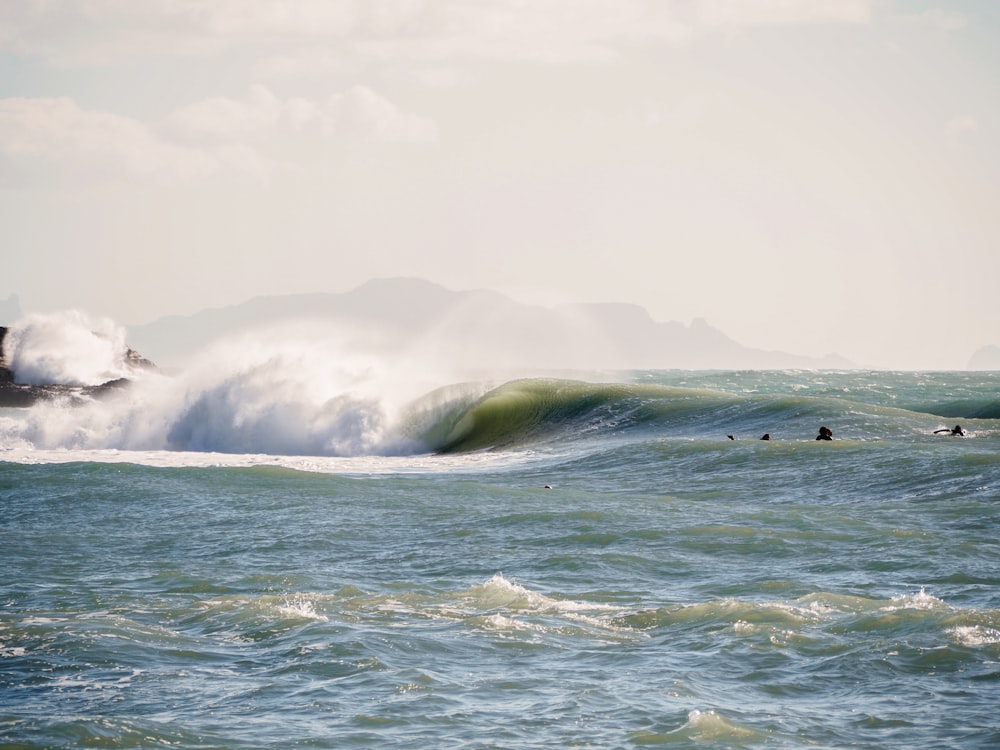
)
(825, 433)
(957, 430)
(765, 436)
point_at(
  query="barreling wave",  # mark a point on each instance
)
(281, 406)
(538, 412)
(533, 411)
(975, 408)
(302, 391)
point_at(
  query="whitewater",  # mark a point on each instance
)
(292, 542)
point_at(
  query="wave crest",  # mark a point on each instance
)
(276, 392)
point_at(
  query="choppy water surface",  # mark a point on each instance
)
(670, 587)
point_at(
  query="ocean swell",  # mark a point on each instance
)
(308, 404)
(301, 390)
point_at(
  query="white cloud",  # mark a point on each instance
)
(361, 114)
(440, 35)
(52, 140)
(73, 32)
(356, 114)
(70, 32)
(55, 138)
(225, 119)
(96, 32)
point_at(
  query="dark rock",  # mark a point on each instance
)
(137, 362)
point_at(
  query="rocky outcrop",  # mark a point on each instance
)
(21, 395)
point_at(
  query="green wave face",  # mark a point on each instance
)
(529, 411)
(541, 411)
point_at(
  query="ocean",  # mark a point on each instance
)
(581, 561)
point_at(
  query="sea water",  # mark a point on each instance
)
(534, 563)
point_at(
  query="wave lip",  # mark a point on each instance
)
(536, 410)
(282, 395)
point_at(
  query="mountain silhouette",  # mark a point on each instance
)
(480, 329)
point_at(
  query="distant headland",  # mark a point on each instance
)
(482, 328)
(476, 330)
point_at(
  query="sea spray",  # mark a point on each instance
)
(66, 348)
(301, 390)
(312, 389)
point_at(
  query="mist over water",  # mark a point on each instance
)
(292, 389)
(305, 388)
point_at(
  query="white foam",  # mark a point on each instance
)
(66, 348)
(301, 606)
(343, 465)
(42, 620)
(709, 725)
(974, 635)
(504, 623)
(520, 597)
(300, 390)
(520, 602)
(920, 600)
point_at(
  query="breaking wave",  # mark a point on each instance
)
(67, 348)
(304, 392)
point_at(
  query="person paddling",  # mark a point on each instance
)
(957, 430)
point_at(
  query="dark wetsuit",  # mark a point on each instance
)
(956, 431)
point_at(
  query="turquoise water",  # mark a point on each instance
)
(551, 563)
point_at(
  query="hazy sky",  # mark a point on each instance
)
(808, 175)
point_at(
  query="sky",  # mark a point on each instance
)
(811, 176)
